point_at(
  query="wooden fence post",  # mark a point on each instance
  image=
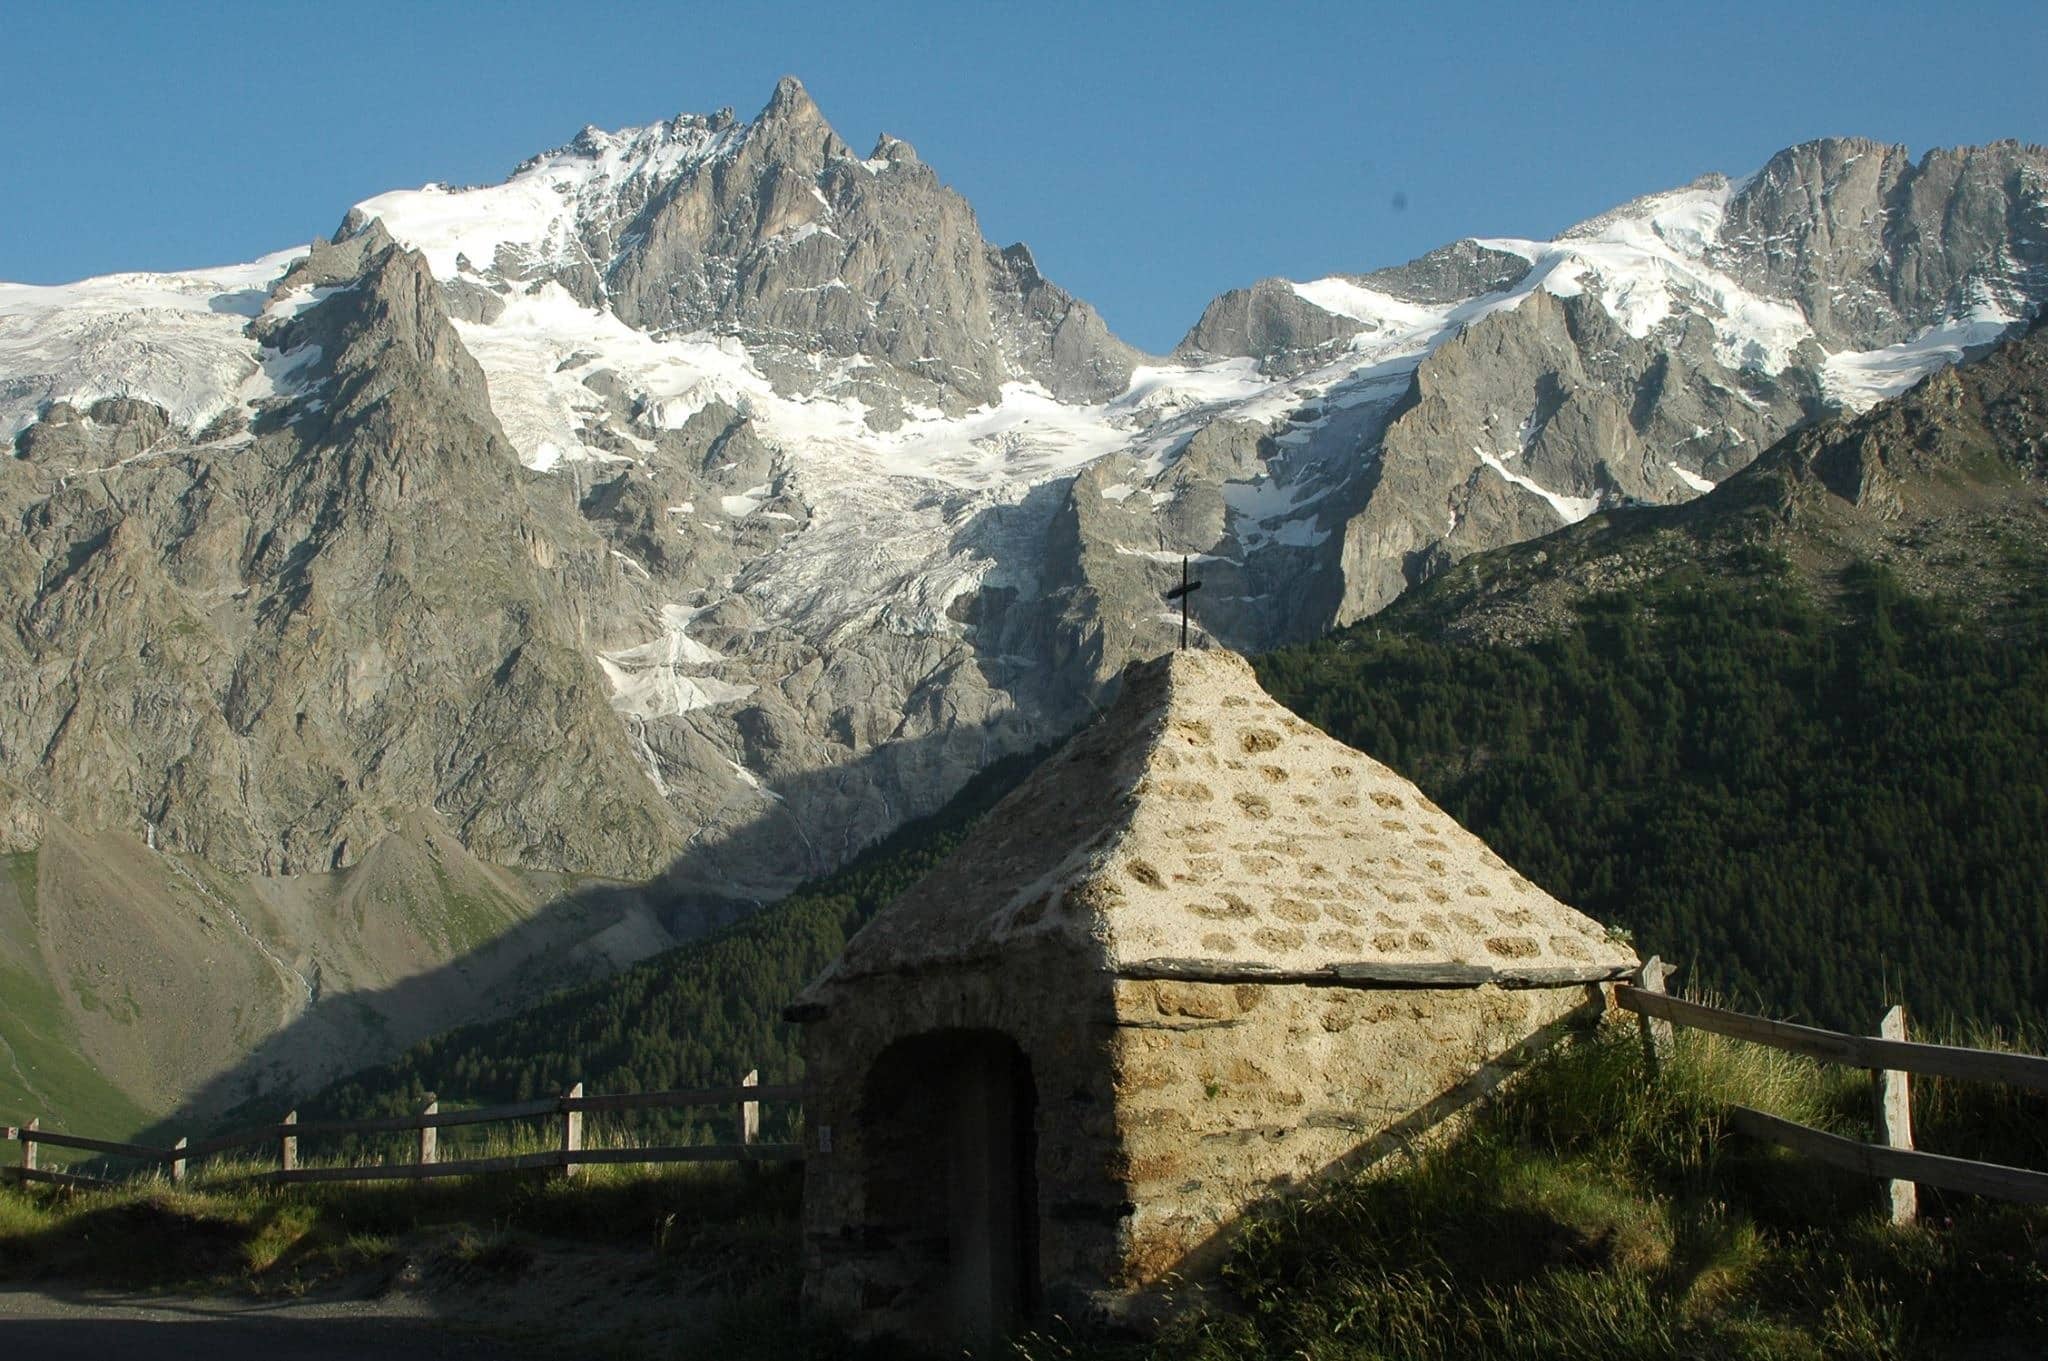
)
(1895, 1120)
(430, 1135)
(288, 1144)
(750, 1111)
(1657, 1039)
(178, 1162)
(572, 1130)
(28, 1146)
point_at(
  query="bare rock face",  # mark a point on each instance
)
(1946, 486)
(1552, 395)
(263, 655)
(1269, 322)
(1967, 444)
(1449, 274)
(789, 240)
(1876, 247)
(1275, 324)
(1654, 351)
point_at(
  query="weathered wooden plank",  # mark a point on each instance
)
(706, 1096)
(286, 1134)
(1216, 971)
(1929, 1169)
(32, 1135)
(525, 1110)
(402, 1124)
(572, 1128)
(1557, 975)
(46, 1177)
(690, 1153)
(1857, 1051)
(696, 1153)
(1895, 1120)
(1393, 975)
(750, 1111)
(1657, 1039)
(467, 1167)
(206, 1148)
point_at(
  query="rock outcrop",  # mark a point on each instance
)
(263, 655)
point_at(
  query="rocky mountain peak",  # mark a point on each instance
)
(776, 234)
(1875, 248)
(894, 150)
(790, 133)
(791, 103)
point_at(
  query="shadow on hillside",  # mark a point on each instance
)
(594, 932)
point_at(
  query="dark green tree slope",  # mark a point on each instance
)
(1820, 809)
(1820, 783)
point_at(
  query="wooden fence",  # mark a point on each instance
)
(1890, 1056)
(566, 1112)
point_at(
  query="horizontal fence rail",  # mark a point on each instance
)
(566, 1110)
(1902, 1164)
(1891, 1057)
(1831, 1046)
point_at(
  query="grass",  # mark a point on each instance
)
(41, 1068)
(1596, 1212)
(287, 1237)
(713, 1246)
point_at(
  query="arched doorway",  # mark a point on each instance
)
(949, 1129)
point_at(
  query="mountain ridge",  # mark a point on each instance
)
(1679, 638)
(1924, 485)
(705, 500)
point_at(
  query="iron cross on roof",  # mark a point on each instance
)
(1181, 593)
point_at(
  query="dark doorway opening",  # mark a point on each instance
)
(949, 1128)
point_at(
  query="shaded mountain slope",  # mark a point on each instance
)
(699, 1015)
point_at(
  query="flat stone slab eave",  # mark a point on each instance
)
(1376, 974)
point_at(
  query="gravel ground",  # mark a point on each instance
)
(83, 1325)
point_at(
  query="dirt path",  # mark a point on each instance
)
(89, 1325)
(428, 1304)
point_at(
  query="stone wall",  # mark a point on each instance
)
(1162, 1111)
(1227, 1094)
(871, 1258)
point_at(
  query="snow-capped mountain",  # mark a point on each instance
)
(707, 498)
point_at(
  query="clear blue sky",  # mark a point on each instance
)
(1152, 155)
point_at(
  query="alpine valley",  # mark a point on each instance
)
(535, 576)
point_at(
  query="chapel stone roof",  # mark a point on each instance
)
(1198, 829)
